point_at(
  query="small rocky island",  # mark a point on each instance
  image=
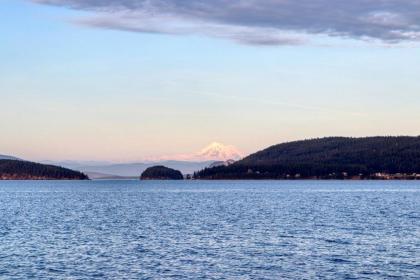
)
(161, 173)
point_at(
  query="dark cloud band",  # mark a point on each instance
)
(266, 22)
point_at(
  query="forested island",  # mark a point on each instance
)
(328, 158)
(161, 173)
(25, 170)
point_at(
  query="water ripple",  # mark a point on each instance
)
(209, 230)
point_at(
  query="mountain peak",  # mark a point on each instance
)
(219, 151)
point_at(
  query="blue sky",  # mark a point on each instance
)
(73, 90)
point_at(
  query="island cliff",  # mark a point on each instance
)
(328, 158)
(25, 170)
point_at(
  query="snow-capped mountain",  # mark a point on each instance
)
(214, 154)
(219, 152)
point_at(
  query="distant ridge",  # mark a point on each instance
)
(122, 170)
(102, 176)
(328, 158)
(9, 157)
(186, 163)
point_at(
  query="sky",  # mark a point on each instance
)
(128, 80)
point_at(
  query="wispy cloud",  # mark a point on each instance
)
(260, 22)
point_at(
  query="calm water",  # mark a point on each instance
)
(209, 230)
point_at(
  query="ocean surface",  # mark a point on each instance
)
(210, 230)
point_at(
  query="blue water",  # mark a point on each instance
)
(210, 230)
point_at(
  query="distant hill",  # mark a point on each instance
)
(161, 173)
(25, 170)
(332, 157)
(9, 157)
(186, 163)
(222, 163)
(133, 169)
(102, 176)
